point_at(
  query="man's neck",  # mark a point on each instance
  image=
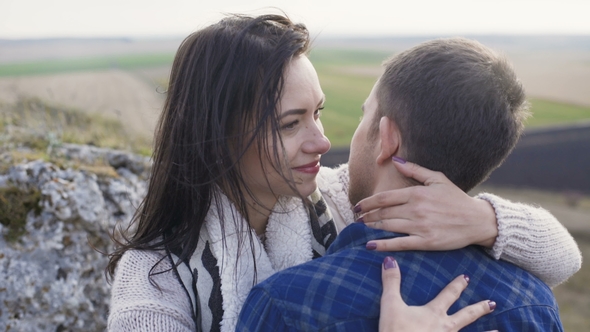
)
(388, 178)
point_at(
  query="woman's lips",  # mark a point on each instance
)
(311, 168)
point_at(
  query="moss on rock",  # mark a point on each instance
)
(15, 204)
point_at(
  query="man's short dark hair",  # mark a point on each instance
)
(458, 105)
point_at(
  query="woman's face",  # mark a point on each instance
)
(302, 134)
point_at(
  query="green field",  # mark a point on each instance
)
(93, 63)
(346, 75)
(346, 78)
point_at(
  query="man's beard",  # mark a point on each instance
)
(361, 177)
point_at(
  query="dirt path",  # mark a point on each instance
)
(121, 94)
(561, 77)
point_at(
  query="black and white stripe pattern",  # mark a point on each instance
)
(322, 225)
(205, 279)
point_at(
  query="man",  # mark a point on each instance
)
(449, 105)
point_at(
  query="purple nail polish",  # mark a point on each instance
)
(398, 160)
(357, 209)
(361, 220)
(389, 263)
(492, 305)
(466, 278)
(371, 245)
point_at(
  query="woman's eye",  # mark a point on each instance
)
(318, 112)
(290, 125)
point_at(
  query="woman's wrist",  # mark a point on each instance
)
(488, 224)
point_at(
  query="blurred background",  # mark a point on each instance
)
(96, 73)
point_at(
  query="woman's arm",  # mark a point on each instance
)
(141, 304)
(533, 239)
(440, 216)
(397, 316)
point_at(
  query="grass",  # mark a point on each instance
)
(347, 57)
(91, 63)
(346, 75)
(547, 112)
(346, 90)
(37, 125)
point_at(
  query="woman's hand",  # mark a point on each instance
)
(397, 316)
(437, 215)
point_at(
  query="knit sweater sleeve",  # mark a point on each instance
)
(533, 239)
(141, 304)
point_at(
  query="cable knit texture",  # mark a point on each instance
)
(529, 237)
(138, 305)
(533, 239)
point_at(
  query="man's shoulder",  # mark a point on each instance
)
(524, 302)
(533, 318)
(346, 284)
(340, 287)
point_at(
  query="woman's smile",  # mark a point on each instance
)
(311, 168)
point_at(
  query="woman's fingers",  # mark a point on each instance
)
(391, 279)
(392, 225)
(419, 173)
(449, 294)
(383, 199)
(396, 316)
(471, 313)
(397, 244)
(391, 300)
(440, 215)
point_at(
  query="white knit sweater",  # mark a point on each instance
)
(528, 236)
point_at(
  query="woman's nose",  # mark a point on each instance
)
(317, 142)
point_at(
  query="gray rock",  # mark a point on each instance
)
(53, 276)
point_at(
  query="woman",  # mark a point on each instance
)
(233, 195)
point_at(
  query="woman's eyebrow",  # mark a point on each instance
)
(299, 111)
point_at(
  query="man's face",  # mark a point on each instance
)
(363, 153)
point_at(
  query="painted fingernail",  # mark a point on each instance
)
(371, 245)
(492, 305)
(361, 219)
(357, 209)
(398, 160)
(389, 263)
(466, 278)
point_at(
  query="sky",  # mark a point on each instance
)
(24, 19)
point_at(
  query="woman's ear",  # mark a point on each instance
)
(390, 139)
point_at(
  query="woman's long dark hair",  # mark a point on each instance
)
(225, 84)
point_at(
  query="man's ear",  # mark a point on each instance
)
(390, 139)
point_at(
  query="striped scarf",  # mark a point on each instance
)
(294, 235)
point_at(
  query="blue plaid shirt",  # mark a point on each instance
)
(341, 291)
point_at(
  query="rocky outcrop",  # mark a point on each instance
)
(51, 265)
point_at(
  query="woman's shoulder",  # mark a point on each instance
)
(137, 267)
(135, 263)
(145, 283)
